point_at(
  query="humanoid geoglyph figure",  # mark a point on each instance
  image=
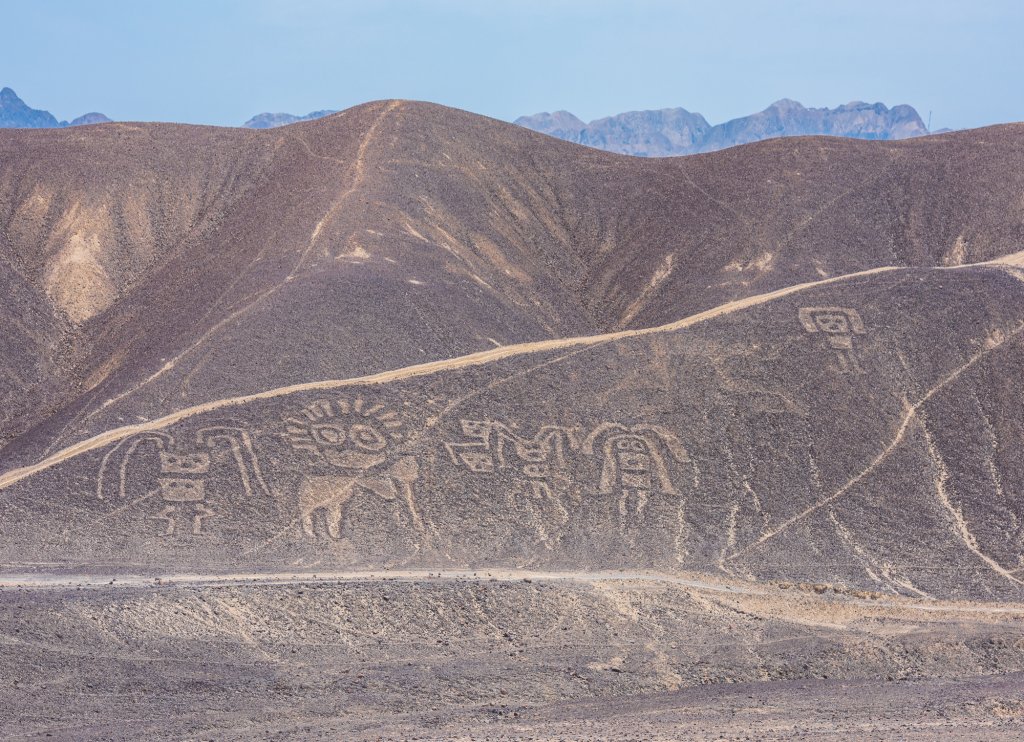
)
(538, 460)
(634, 463)
(494, 445)
(839, 325)
(181, 474)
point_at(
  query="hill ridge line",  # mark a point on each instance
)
(422, 369)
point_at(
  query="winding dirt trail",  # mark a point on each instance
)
(699, 583)
(406, 372)
(473, 359)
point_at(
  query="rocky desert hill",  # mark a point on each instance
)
(407, 421)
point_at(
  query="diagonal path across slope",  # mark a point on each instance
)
(423, 369)
(406, 372)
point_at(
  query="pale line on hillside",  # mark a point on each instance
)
(724, 205)
(959, 521)
(900, 433)
(1013, 259)
(305, 145)
(909, 416)
(491, 386)
(169, 365)
(660, 274)
(809, 219)
(357, 179)
(406, 372)
(689, 581)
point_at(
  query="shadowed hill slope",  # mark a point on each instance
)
(161, 266)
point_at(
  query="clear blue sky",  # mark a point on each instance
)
(220, 61)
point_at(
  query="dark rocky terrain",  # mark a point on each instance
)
(16, 114)
(676, 131)
(407, 422)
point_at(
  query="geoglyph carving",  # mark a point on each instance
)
(839, 325)
(495, 445)
(540, 459)
(634, 462)
(182, 473)
(356, 441)
(634, 458)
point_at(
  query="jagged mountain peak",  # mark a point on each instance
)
(274, 120)
(16, 114)
(677, 131)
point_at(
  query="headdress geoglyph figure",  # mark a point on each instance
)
(634, 462)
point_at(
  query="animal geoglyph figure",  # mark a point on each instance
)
(356, 440)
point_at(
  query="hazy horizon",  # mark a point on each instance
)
(223, 62)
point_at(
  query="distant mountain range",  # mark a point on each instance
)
(273, 120)
(16, 114)
(662, 133)
(676, 131)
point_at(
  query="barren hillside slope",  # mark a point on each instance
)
(154, 266)
(406, 422)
